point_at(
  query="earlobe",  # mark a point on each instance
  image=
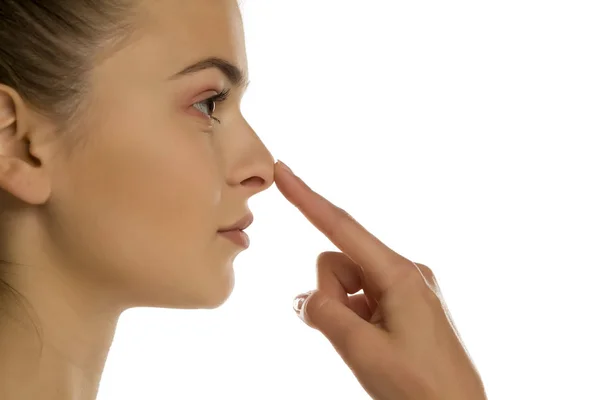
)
(19, 176)
(24, 181)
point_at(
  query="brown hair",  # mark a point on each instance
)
(48, 47)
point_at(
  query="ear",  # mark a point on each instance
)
(21, 174)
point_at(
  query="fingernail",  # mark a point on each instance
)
(285, 167)
(299, 302)
(296, 177)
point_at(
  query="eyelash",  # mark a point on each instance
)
(218, 98)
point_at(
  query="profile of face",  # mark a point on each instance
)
(160, 166)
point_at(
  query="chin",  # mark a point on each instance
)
(199, 300)
(192, 288)
(210, 294)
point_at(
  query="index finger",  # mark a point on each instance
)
(379, 263)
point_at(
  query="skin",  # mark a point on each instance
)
(129, 216)
(397, 336)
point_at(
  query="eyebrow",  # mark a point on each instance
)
(233, 73)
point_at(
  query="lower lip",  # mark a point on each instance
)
(238, 237)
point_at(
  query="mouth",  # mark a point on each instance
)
(238, 237)
(235, 232)
(242, 224)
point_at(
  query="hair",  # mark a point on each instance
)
(47, 51)
(49, 47)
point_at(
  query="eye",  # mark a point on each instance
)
(209, 105)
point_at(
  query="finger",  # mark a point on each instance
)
(355, 339)
(338, 276)
(380, 263)
(358, 303)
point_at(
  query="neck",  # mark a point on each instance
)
(57, 347)
(55, 334)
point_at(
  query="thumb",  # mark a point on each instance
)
(352, 336)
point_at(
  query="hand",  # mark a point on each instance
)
(397, 336)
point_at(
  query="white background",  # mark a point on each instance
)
(464, 134)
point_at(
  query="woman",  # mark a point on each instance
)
(125, 160)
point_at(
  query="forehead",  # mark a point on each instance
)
(178, 32)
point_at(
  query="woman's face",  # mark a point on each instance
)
(137, 206)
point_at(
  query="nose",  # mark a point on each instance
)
(261, 175)
(255, 163)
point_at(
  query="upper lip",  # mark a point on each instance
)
(241, 224)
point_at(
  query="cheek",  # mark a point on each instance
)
(146, 198)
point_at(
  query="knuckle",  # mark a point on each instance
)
(325, 261)
(343, 217)
(342, 213)
(414, 278)
(407, 273)
(429, 277)
(325, 257)
(409, 282)
(412, 284)
(427, 272)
